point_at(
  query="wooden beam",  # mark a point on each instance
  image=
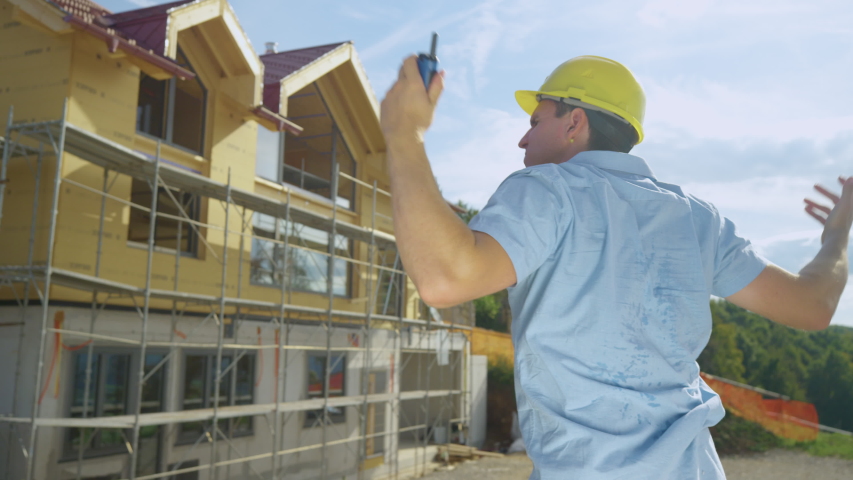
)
(186, 16)
(242, 41)
(356, 113)
(40, 15)
(226, 69)
(313, 71)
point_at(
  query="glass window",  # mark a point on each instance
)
(307, 257)
(151, 107)
(110, 378)
(173, 109)
(390, 285)
(316, 387)
(169, 233)
(268, 154)
(152, 401)
(309, 157)
(199, 385)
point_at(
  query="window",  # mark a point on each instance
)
(307, 257)
(168, 232)
(109, 393)
(390, 286)
(236, 388)
(309, 158)
(316, 387)
(268, 154)
(173, 110)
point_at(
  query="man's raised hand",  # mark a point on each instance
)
(838, 219)
(408, 107)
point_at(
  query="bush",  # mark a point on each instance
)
(734, 435)
(501, 372)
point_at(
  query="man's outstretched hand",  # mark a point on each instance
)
(839, 218)
(408, 107)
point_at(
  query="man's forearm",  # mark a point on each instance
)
(826, 275)
(432, 240)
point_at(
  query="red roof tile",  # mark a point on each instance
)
(281, 64)
(145, 25)
(85, 9)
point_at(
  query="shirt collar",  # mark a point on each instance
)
(622, 162)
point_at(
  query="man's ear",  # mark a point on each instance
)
(578, 122)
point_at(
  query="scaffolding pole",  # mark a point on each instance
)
(51, 238)
(115, 158)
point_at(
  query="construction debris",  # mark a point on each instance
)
(454, 453)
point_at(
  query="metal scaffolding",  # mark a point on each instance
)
(428, 342)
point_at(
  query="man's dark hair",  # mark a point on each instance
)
(605, 132)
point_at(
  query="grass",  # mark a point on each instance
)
(734, 435)
(827, 445)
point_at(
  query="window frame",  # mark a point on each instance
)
(68, 451)
(191, 234)
(338, 140)
(169, 110)
(313, 418)
(276, 236)
(185, 437)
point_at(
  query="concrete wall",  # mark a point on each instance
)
(479, 384)
(52, 462)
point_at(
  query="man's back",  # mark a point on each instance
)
(610, 312)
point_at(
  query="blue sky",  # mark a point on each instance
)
(748, 101)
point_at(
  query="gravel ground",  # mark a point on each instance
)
(772, 465)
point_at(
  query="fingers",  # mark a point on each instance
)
(409, 70)
(817, 217)
(827, 193)
(846, 185)
(436, 87)
(817, 206)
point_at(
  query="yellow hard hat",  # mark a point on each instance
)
(592, 82)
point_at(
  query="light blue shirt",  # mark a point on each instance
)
(611, 309)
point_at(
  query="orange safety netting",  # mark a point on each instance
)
(785, 418)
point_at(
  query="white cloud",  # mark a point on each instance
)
(658, 13)
(779, 195)
(710, 109)
(486, 153)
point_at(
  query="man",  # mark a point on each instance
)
(609, 271)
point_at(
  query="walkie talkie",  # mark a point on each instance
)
(428, 64)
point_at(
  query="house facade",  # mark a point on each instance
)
(198, 273)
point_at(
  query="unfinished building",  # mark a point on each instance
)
(198, 273)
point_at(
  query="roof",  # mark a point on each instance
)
(282, 64)
(85, 9)
(145, 25)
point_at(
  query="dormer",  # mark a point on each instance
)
(325, 90)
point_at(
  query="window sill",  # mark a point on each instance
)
(295, 290)
(309, 198)
(168, 251)
(184, 439)
(148, 145)
(93, 454)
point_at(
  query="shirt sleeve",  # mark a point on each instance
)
(528, 216)
(736, 262)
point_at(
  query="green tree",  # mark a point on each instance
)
(722, 357)
(488, 313)
(830, 388)
(469, 212)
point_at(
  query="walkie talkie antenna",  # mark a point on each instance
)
(428, 64)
